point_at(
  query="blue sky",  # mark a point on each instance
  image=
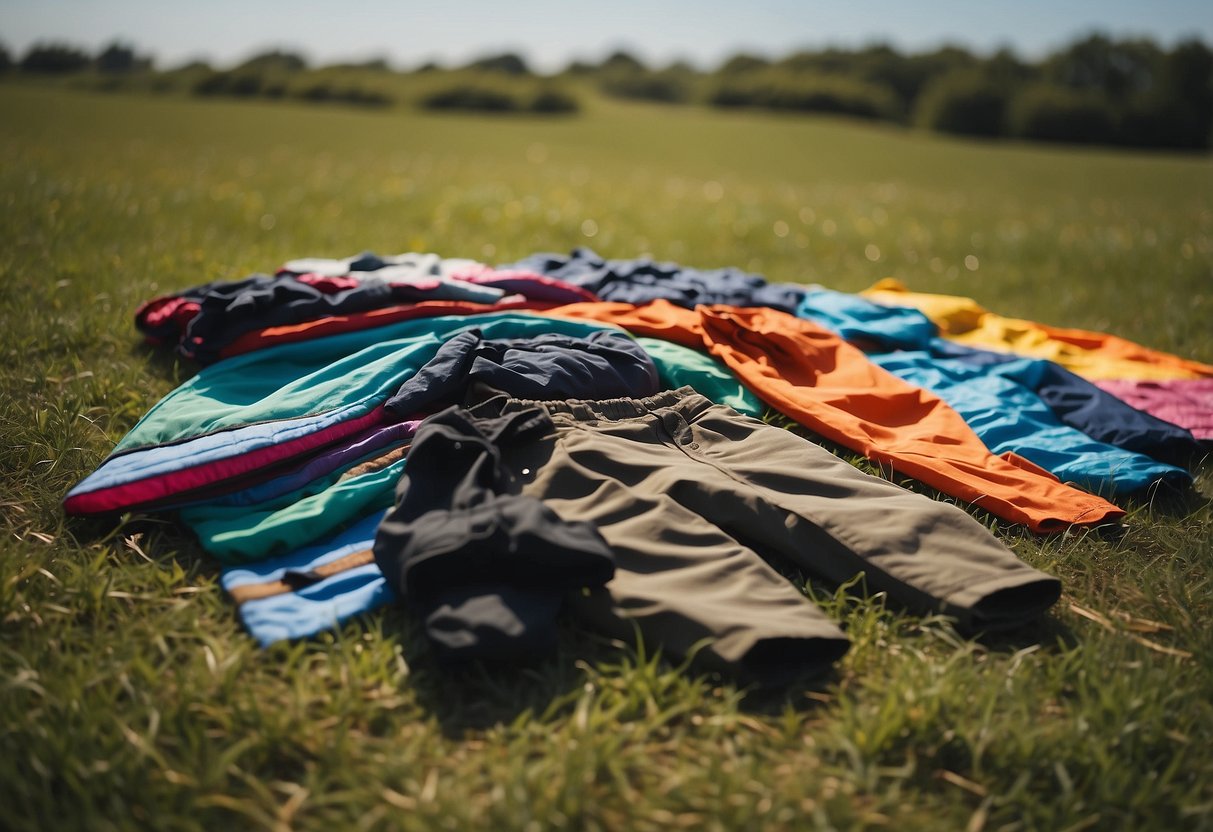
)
(549, 33)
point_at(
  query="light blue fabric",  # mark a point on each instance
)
(318, 606)
(859, 320)
(1008, 415)
(158, 460)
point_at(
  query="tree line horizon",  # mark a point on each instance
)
(1095, 90)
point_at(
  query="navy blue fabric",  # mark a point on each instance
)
(1084, 406)
(228, 309)
(603, 365)
(644, 280)
(486, 568)
(368, 261)
(1009, 415)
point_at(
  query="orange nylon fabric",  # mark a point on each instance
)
(830, 387)
(1094, 355)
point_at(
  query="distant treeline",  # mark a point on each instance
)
(1096, 90)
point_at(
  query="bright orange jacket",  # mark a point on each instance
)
(830, 387)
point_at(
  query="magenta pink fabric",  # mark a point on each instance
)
(1184, 402)
(178, 484)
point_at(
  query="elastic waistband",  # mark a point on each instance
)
(684, 400)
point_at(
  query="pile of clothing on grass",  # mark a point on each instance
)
(494, 447)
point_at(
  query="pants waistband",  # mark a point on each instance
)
(684, 400)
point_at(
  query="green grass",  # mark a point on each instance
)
(130, 696)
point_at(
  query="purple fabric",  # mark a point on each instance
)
(347, 453)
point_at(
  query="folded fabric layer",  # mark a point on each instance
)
(643, 280)
(1093, 355)
(225, 318)
(1082, 404)
(274, 407)
(157, 477)
(694, 500)
(227, 311)
(526, 291)
(827, 385)
(247, 534)
(271, 336)
(202, 320)
(311, 589)
(338, 461)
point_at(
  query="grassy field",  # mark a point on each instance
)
(131, 696)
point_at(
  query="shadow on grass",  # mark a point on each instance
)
(476, 695)
(1048, 631)
(164, 361)
(1169, 502)
(479, 695)
(160, 540)
(621, 678)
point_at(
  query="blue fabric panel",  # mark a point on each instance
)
(316, 608)
(863, 322)
(321, 605)
(156, 460)
(643, 280)
(1009, 416)
(1084, 406)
